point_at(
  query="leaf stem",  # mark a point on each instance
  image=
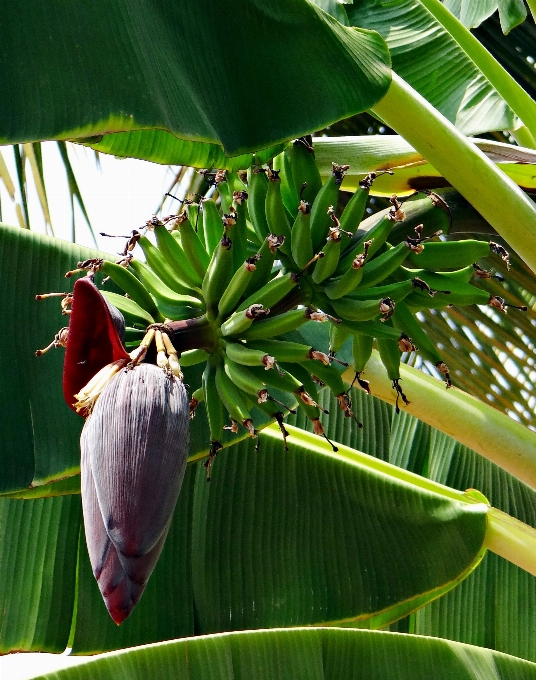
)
(482, 428)
(490, 191)
(511, 539)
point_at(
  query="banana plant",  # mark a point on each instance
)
(296, 528)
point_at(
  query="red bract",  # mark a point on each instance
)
(93, 340)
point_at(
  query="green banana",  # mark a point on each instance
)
(237, 286)
(213, 403)
(263, 266)
(173, 305)
(390, 356)
(338, 335)
(383, 265)
(277, 325)
(304, 169)
(248, 356)
(257, 189)
(276, 215)
(226, 196)
(192, 245)
(437, 280)
(239, 230)
(192, 357)
(132, 312)
(404, 320)
(291, 352)
(349, 281)
(396, 291)
(176, 257)
(245, 380)
(272, 292)
(212, 225)
(373, 329)
(363, 310)
(289, 195)
(378, 234)
(239, 322)
(132, 287)
(332, 250)
(353, 213)
(233, 400)
(361, 353)
(450, 254)
(217, 276)
(327, 197)
(158, 263)
(301, 244)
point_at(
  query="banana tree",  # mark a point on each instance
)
(318, 532)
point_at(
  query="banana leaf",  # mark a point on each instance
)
(323, 654)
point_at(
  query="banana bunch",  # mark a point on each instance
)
(231, 275)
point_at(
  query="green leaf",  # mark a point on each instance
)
(473, 12)
(272, 545)
(39, 541)
(429, 58)
(163, 147)
(323, 654)
(190, 78)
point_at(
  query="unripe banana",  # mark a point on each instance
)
(450, 254)
(195, 250)
(390, 355)
(383, 265)
(245, 380)
(378, 234)
(338, 335)
(212, 225)
(285, 351)
(304, 169)
(192, 357)
(132, 312)
(363, 310)
(396, 291)
(248, 356)
(404, 320)
(236, 287)
(217, 276)
(226, 196)
(277, 325)
(272, 292)
(239, 322)
(437, 280)
(173, 305)
(132, 287)
(233, 399)
(289, 195)
(328, 264)
(328, 374)
(373, 329)
(349, 281)
(460, 294)
(239, 229)
(263, 266)
(176, 257)
(301, 244)
(158, 263)
(354, 210)
(257, 189)
(326, 197)
(214, 407)
(361, 351)
(276, 216)
(308, 393)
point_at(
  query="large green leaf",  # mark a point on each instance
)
(323, 654)
(493, 607)
(473, 12)
(39, 542)
(428, 58)
(205, 72)
(271, 545)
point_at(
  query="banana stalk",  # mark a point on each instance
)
(471, 422)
